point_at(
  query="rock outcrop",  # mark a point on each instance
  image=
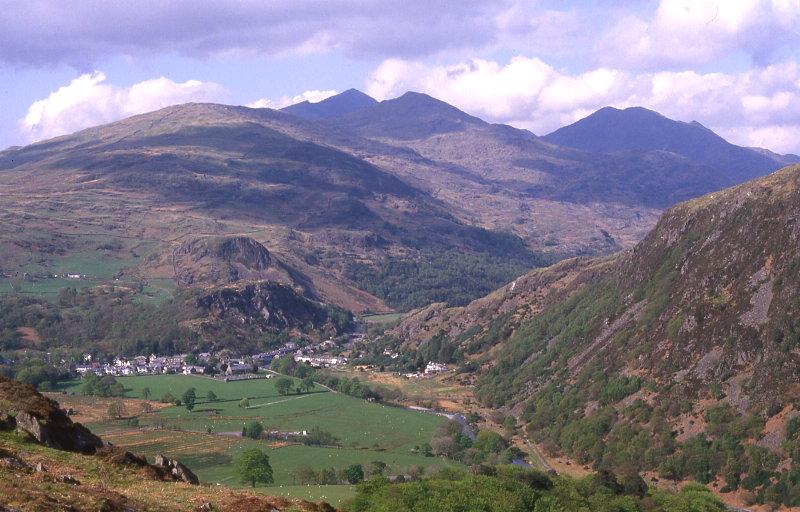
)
(264, 306)
(24, 409)
(215, 260)
(176, 469)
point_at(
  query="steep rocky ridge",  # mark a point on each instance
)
(715, 276)
(266, 306)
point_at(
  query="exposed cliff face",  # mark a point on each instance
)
(264, 306)
(720, 276)
(224, 260)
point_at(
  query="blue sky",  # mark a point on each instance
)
(733, 65)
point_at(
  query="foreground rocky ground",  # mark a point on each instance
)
(47, 462)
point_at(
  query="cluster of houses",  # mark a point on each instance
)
(227, 365)
(176, 364)
(69, 275)
(430, 370)
(144, 365)
(307, 355)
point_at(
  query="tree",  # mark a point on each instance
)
(116, 410)
(489, 442)
(146, 393)
(253, 467)
(377, 467)
(307, 384)
(283, 386)
(211, 396)
(189, 398)
(252, 429)
(305, 475)
(167, 398)
(510, 425)
(444, 447)
(244, 403)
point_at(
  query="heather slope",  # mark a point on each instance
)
(685, 347)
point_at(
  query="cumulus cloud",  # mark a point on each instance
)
(314, 96)
(89, 100)
(41, 32)
(674, 34)
(760, 107)
(681, 33)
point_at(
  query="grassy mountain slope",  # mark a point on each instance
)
(387, 204)
(139, 193)
(681, 355)
(557, 198)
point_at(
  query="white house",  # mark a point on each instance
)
(435, 368)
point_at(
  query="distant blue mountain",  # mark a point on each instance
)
(639, 129)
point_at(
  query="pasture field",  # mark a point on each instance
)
(385, 318)
(366, 431)
(96, 255)
(440, 391)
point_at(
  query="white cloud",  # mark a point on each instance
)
(314, 96)
(760, 107)
(82, 33)
(683, 33)
(89, 100)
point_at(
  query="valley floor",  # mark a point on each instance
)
(208, 438)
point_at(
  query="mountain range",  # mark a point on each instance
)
(625, 287)
(340, 190)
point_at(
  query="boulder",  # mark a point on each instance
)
(25, 409)
(68, 479)
(176, 469)
(58, 431)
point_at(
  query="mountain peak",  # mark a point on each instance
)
(419, 100)
(334, 106)
(412, 115)
(642, 130)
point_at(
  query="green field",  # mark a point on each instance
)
(385, 318)
(367, 431)
(99, 257)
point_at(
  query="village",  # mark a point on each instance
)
(226, 366)
(222, 365)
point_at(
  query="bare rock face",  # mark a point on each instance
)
(263, 305)
(176, 469)
(25, 409)
(217, 260)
